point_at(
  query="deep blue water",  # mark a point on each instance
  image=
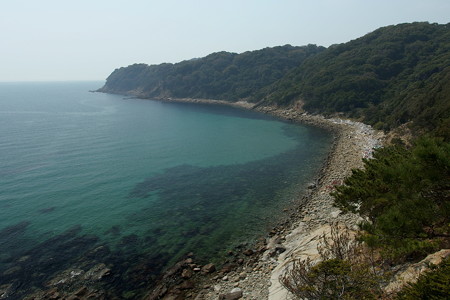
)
(144, 181)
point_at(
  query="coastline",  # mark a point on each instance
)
(353, 142)
(298, 238)
(257, 276)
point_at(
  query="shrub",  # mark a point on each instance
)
(404, 194)
(342, 272)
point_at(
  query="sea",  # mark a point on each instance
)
(94, 181)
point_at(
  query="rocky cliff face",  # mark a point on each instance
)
(409, 273)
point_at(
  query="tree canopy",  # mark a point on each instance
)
(389, 77)
(219, 76)
(392, 76)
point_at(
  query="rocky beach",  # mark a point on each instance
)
(253, 269)
(249, 271)
(254, 272)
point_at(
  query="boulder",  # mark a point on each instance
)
(242, 275)
(227, 268)
(186, 285)
(235, 293)
(209, 268)
(411, 273)
(186, 273)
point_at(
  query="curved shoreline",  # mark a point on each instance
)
(309, 218)
(297, 237)
(353, 142)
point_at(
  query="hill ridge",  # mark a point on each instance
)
(395, 75)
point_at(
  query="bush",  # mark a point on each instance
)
(404, 194)
(341, 273)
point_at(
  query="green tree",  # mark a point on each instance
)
(404, 194)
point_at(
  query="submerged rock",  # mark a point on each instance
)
(97, 272)
(6, 290)
(12, 270)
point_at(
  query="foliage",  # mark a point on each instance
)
(221, 75)
(341, 273)
(405, 196)
(434, 284)
(389, 77)
(392, 76)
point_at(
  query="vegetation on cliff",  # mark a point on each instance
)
(218, 76)
(392, 76)
(434, 284)
(389, 77)
(404, 194)
(344, 271)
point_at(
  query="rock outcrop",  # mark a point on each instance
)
(410, 273)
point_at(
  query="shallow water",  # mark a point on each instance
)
(90, 178)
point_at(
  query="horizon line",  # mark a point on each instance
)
(43, 81)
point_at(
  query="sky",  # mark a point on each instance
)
(64, 40)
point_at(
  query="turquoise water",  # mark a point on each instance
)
(148, 181)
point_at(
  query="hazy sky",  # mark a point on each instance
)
(88, 39)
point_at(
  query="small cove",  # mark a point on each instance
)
(89, 178)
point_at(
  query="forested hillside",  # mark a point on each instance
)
(219, 76)
(395, 75)
(388, 77)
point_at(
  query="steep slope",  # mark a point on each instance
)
(220, 76)
(389, 77)
(396, 75)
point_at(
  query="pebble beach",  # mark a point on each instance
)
(255, 274)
